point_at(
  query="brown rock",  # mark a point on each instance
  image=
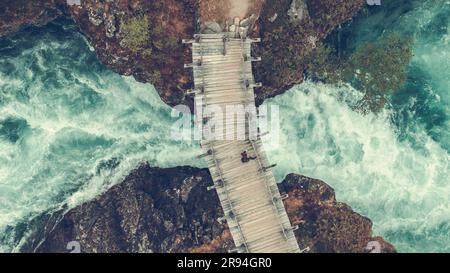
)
(16, 14)
(285, 48)
(170, 210)
(170, 22)
(287, 44)
(326, 225)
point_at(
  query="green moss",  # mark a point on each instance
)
(375, 68)
(136, 35)
(154, 77)
(378, 68)
(323, 65)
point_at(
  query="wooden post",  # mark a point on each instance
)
(248, 192)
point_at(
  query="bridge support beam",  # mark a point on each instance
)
(252, 205)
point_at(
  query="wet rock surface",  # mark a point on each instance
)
(162, 63)
(290, 30)
(17, 14)
(326, 225)
(171, 210)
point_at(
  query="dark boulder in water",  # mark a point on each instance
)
(171, 210)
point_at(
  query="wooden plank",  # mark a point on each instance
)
(260, 222)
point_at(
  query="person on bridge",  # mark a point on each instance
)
(245, 158)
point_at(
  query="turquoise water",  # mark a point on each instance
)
(70, 128)
(393, 168)
(402, 186)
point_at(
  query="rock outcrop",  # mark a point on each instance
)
(326, 225)
(290, 30)
(162, 63)
(171, 210)
(16, 14)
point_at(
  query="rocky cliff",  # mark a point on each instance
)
(143, 38)
(291, 30)
(171, 210)
(16, 14)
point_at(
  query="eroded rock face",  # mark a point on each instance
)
(170, 21)
(153, 210)
(170, 210)
(16, 14)
(290, 30)
(326, 225)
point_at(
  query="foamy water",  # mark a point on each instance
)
(393, 168)
(69, 128)
(403, 188)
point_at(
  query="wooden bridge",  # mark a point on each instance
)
(251, 201)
